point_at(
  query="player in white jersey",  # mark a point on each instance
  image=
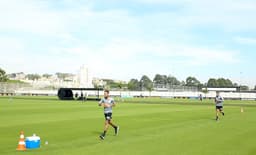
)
(219, 105)
(107, 102)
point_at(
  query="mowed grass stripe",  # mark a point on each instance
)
(73, 128)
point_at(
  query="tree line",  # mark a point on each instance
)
(145, 83)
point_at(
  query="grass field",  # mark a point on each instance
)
(177, 127)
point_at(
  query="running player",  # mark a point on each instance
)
(107, 102)
(219, 105)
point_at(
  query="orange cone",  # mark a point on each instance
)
(21, 145)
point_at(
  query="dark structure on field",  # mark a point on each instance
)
(68, 94)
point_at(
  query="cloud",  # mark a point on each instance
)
(37, 17)
(17, 16)
(122, 57)
(243, 40)
(228, 15)
(120, 42)
(163, 2)
(231, 16)
(12, 53)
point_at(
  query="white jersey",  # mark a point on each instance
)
(109, 101)
(219, 100)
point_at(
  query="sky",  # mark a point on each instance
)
(127, 39)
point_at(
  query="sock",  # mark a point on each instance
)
(104, 133)
(114, 126)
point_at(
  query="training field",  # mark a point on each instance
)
(147, 127)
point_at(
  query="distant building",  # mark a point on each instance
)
(80, 80)
(17, 76)
(84, 79)
(98, 82)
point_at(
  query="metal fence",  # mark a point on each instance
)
(175, 88)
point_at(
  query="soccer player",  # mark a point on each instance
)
(219, 105)
(201, 97)
(107, 102)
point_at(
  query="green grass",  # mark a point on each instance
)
(178, 127)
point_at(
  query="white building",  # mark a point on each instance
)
(84, 78)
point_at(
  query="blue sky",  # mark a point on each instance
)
(127, 39)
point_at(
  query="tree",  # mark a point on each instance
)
(134, 84)
(33, 76)
(47, 75)
(63, 76)
(235, 85)
(157, 79)
(200, 86)
(244, 88)
(212, 83)
(146, 83)
(254, 87)
(3, 76)
(221, 82)
(224, 82)
(183, 83)
(171, 80)
(113, 84)
(120, 85)
(160, 79)
(229, 83)
(192, 81)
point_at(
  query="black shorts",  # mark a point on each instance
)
(219, 107)
(108, 116)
